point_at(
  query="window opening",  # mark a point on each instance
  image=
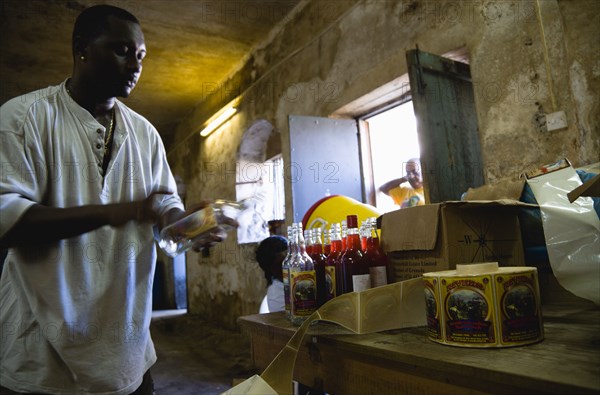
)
(263, 184)
(252, 183)
(278, 204)
(393, 140)
(260, 181)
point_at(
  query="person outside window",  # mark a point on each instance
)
(407, 191)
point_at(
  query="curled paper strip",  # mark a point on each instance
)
(253, 385)
(393, 306)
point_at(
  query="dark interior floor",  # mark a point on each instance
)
(197, 357)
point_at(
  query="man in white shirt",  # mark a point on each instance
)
(84, 183)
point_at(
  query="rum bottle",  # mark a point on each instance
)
(320, 261)
(303, 287)
(285, 266)
(326, 241)
(331, 268)
(196, 227)
(354, 273)
(378, 261)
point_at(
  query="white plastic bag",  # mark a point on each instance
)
(572, 233)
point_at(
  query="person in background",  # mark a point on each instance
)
(407, 191)
(85, 186)
(270, 253)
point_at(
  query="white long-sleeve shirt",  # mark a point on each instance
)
(75, 314)
(275, 297)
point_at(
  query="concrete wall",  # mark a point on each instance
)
(329, 53)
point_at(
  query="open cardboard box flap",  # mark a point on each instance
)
(505, 189)
(416, 228)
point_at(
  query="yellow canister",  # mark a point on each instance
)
(432, 304)
(519, 313)
(483, 305)
(336, 208)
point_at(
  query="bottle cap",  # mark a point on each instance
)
(352, 221)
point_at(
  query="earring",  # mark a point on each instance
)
(82, 57)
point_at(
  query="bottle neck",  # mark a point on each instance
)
(294, 241)
(317, 248)
(373, 243)
(352, 239)
(301, 244)
(336, 246)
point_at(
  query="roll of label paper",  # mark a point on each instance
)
(483, 305)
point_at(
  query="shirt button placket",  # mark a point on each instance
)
(100, 138)
(99, 146)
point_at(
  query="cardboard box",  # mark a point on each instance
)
(504, 189)
(436, 237)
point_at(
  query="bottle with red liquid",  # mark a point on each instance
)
(344, 234)
(378, 261)
(354, 269)
(326, 241)
(320, 261)
(308, 238)
(363, 231)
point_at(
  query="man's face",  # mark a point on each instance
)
(114, 59)
(413, 174)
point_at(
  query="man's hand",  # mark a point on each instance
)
(203, 244)
(204, 241)
(43, 224)
(140, 210)
(385, 188)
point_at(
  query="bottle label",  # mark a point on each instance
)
(196, 223)
(303, 295)
(329, 282)
(378, 276)
(361, 282)
(468, 309)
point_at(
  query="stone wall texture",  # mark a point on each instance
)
(526, 57)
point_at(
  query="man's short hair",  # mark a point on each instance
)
(93, 20)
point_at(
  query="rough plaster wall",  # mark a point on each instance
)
(228, 283)
(510, 82)
(582, 41)
(363, 48)
(516, 82)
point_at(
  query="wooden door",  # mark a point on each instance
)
(444, 105)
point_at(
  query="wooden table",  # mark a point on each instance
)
(405, 361)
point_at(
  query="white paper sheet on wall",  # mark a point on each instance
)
(572, 232)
